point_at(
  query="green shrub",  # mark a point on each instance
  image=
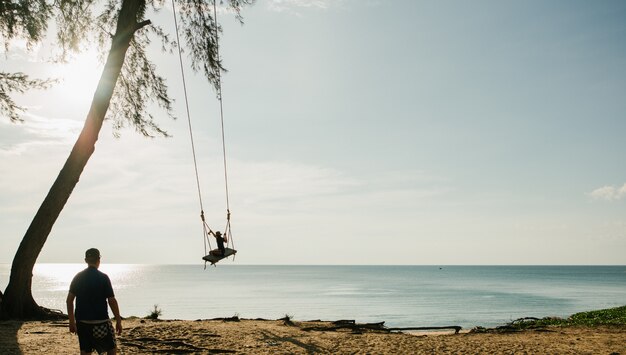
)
(610, 316)
(155, 313)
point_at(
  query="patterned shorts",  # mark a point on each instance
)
(99, 337)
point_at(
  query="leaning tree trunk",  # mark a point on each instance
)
(18, 301)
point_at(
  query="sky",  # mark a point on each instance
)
(357, 132)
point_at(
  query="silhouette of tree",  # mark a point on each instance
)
(128, 84)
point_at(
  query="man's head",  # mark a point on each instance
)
(92, 256)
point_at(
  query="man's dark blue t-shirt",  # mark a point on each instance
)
(92, 288)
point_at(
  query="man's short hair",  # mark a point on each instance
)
(92, 254)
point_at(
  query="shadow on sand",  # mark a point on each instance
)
(273, 339)
(8, 337)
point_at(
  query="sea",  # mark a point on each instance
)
(401, 296)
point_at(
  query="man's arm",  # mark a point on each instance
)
(116, 312)
(70, 311)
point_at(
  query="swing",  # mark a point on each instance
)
(215, 255)
(212, 255)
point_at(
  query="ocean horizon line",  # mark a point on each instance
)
(245, 264)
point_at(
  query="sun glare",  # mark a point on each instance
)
(58, 276)
(78, 77)
(57, 273)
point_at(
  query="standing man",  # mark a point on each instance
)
(92, 290)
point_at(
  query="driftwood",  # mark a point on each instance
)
(456, 328)
(348, 324)
(232, 319)
(345, 321)
(226, 319)
(525, 319)
(518, 325)
(380, 326)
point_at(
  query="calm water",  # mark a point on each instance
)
(400, 295)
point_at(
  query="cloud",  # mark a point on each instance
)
(609, 193)
(36, 131)
(291, 5)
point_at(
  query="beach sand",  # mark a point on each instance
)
(279, 337)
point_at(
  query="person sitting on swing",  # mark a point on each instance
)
(221, 251)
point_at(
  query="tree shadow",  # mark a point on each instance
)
(274, 339)
(8, 337)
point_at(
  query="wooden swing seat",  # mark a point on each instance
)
(215, 255)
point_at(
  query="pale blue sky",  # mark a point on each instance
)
(358, 132)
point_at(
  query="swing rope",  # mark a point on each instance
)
(206, 230)
(227, 228)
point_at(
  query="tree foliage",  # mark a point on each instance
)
(93, 21)
(140, 84)
(26, 20)
(16, 83)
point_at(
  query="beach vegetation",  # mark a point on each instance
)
(287, 319)
(155, 313)
(610, 316)
(234, 318)
(128, 86)
(603, 317)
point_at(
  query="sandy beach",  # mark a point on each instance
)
(279, 337)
